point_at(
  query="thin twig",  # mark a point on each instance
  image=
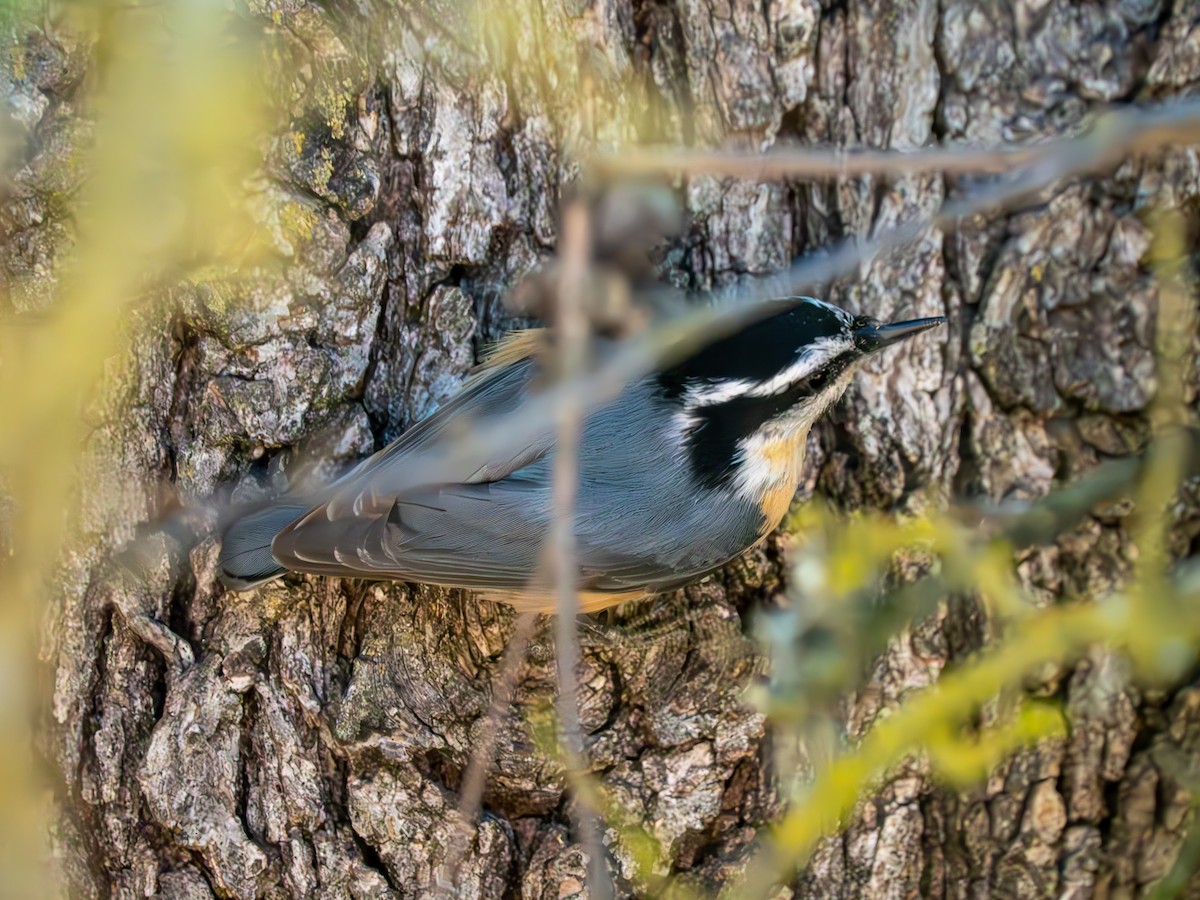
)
(815, 163)
(571, 334)
(1126, 131)
(470, 796)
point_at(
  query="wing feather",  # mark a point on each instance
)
(484, 530)
(495, 389)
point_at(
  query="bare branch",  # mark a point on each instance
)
(470, 795)
(572, 351)
(1126, 132)
(815, 163)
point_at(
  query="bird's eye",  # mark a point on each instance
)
(864, 322)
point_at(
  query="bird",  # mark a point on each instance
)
(684, 471)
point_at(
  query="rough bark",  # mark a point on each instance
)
(308, 739)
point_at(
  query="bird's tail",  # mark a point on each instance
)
(246, 559)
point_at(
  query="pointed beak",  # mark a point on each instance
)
(873, 336)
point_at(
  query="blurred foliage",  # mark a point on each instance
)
(158, 189)
(180, 116)
(820, 648)
(846, 605)
(534, 47)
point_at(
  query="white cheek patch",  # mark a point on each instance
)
(759, 471)
(760, 466)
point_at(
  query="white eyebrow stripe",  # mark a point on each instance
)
(842, 314)
(715, 394)
(814, 356)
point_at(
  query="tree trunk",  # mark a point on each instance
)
(308, 739)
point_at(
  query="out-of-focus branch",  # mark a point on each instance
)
(691, 327)
(571, 353)
(1054, 634)
(1125, 132)
(815, 163)
(470, 795)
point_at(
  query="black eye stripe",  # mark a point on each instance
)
(712, 393)
(728, 388)
(758, 352)
(712, 442)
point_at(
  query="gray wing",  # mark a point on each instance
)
(486, 537)
(334, 536)
(480, 536)
(638, 528)
(376, 481)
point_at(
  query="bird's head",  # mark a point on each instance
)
(773, 377)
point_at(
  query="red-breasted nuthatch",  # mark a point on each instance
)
(684, 471)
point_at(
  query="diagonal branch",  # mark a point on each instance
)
(693, 327)
(1118, 133)
(470, 799)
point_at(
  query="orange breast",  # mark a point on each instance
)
(783, 457)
